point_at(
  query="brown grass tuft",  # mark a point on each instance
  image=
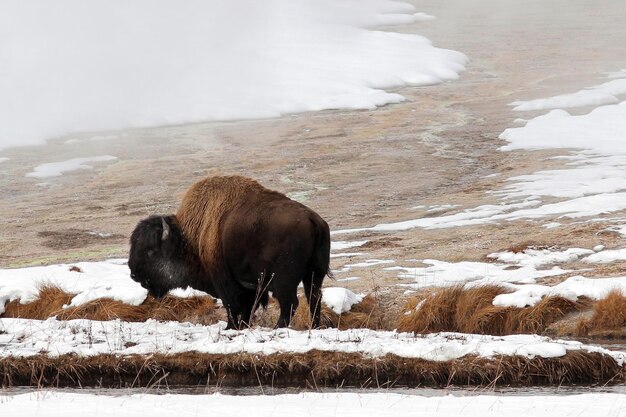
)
(193, 309)
(536, 319)
(311, 369)
(48, 303)
(51, 299)
(366, 314)
(435, 314)
(608, 318)
(471, 310)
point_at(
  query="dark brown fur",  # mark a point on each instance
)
(248, 240)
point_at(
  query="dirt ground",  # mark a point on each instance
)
(356, 168)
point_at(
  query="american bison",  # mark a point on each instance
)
(236, 240)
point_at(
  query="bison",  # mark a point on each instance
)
(236, 240)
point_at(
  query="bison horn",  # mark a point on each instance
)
(166, 230)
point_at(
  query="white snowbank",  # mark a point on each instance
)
(56, 169)
(339, 299)
(593, 96)
(19, 337)
(87, 65)
(602, 130)
(441, 274)
(363, 404)
(95, 280)
(572, 288)
(607, 256)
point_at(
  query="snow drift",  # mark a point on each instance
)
(85, 65)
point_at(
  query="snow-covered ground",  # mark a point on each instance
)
(21, 337)
(591, 184)
(111, 279)
(65, 404)
(122, 64)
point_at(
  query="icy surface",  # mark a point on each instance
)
(56, 169)
(364, 404)
(20, 337)
(140, 63)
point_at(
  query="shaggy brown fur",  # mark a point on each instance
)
(206, 202)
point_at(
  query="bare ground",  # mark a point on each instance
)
(356, 168)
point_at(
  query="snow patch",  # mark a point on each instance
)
(441, 273)
(593, 96)
(572, 288)
(56, 169)
(339, 299)
(23, 338)
(362, 404)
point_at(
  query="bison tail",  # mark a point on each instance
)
(318, 269)
(320, 261)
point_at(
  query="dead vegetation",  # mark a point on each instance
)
(450, 309)
(608, 318)
(457, 309)
(51, 300)
(314, 369)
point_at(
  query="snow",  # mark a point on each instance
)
(319, 404)
(593, 96)
(606, 256)
(24, 338)
(353, 404)
(441, 273)
(539, 257)
(56, 169)
(591, 183)
(572, 288)
(122, 64)
(107, 279)
(423, 16)
(342, 245)
(601, 130)
(617, 74)
(339, 299)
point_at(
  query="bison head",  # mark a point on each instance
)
(159, 259)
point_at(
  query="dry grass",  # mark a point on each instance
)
(314, 369)
(366, 314)
(608, 318)
(447, 309)
(50, 302)
(471, 310)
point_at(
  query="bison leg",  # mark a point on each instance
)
(313, 291)
(288, 301)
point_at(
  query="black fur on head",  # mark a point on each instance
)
(159, 259)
